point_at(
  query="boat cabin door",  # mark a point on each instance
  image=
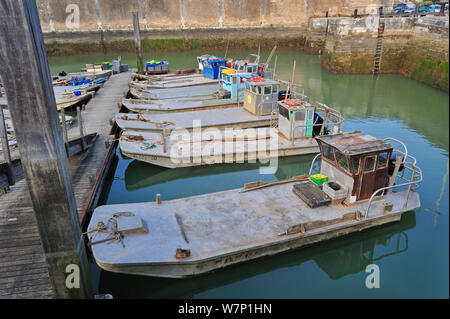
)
(302, 122)
(373, 174)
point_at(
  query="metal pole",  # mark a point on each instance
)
(409, 187)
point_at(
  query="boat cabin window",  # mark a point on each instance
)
(300, 116)
(283, 111)
(382, 160)
(274, 88)
(327, 152)
(254, 89)
(260, 90)
(341, 160)
(247, 86)
(369, 163)
(267, 90)
(355, 164)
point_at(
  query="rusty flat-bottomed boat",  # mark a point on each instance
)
(363, 183)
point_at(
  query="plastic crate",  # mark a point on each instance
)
(319, 179)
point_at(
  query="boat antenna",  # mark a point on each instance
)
(228, 42)
(275, 67)
(270, 56)
(292, 81)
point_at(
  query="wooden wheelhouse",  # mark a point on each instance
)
(357, 161)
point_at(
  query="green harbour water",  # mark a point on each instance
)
(412, 255)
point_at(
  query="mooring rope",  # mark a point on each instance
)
(115, 234)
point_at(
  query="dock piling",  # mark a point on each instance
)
(64, 127)
(80, 125)
(33, 110)
(5, 148)
(137, 42)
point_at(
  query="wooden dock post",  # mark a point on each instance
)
(5, 148)
(64, 128)
(137, 43)
(32, 105)
(80, 125)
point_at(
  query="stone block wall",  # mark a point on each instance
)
(414, 47)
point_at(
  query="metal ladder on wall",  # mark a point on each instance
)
(379, 48)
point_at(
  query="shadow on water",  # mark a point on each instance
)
(338, 258)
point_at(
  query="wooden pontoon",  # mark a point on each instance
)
(195, 235)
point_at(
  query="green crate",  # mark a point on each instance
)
(319, 179)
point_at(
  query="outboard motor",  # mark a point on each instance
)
(318, 121)
(282, 95)
(62, 73)
(392, 161)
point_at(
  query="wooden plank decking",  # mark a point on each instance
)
(23, 272)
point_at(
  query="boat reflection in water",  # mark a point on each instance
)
(337, 258)
(140, 175)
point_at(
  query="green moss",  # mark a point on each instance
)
(444, 68)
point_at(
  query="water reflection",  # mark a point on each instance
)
(139, 175)
(337, 259)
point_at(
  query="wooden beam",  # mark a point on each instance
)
(5, 148)
(26, 77)
(137, 43)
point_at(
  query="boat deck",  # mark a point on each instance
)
(177, 105)
(23, 272)
(219, 118)
(159, 94)
(226, 225)
(173, 83)
(166, 152)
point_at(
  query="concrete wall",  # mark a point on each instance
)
(169, 14)
(414, 47)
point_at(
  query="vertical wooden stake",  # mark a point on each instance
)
(80, 125)
(137, 42)
(5, 148)
(64, 126)
(32, 105)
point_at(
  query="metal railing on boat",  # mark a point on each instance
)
(409, 164)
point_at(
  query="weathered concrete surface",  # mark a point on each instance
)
(414, 47)
(165, 14)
